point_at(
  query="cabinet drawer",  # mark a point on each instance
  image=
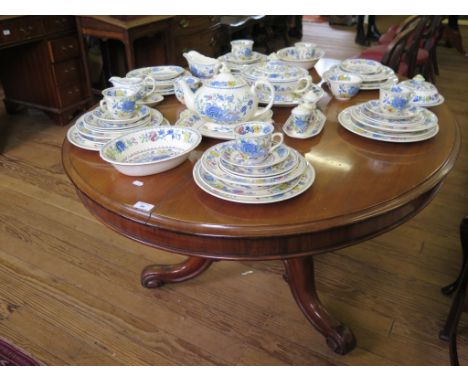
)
(20, 29)
(189, 24)
(70, 94)
(54, 24)
(207, 43)
(64, 48)
(67, 71)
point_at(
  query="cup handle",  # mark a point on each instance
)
(281, 138)
(308, 82)
(103, 104)
(268, 84)
(153, 85)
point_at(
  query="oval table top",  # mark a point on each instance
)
(360, 184)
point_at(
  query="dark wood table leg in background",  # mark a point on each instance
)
(154, 276)
(301, 279)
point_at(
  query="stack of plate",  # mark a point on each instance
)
(164, 77)
(283, 175)
(368, 120)
(373, 73)
(95, 128)
(236, 65)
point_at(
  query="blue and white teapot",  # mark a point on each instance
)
(226, 99)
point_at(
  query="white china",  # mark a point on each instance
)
(159, 73)
(210, 161)
(103, 115)
(151, 100)
(190, 119)
(284, 77)
(119, 103)
(153, 117)
(346, 120)
(344, 86)
(256, 140)
(193, 82)
(143, 87)
(242, 49)
(306, 180)
(395, 99)
(226, 99)
(202, 66)
(425, 93)
(150, 151)
(236, 65)
(232, 155)
(291, 99)
(361, 66)
(76, 139)
(313, 128)
(305, 50)
(409, 113)
(369, 82)
(291, 56)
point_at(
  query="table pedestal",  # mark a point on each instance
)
(299, 274)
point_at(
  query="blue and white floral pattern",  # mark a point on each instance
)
(225, 108)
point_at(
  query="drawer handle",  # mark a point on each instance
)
(70, 92)
(6, 32)
(71, 46)
(212, 41)
(184, 23)
(64, 47)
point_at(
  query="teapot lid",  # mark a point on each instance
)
(274, 70)
(225, 80)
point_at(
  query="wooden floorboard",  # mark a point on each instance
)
(70, 292)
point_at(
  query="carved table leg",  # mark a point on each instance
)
(300, 277)
(154, 276)
(449, 289)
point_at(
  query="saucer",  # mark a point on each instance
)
(78, 140)
(151, 100)
(361, 66)
(93, 123)
(232, 156)
(290, 99)
(102, 115)
(312, 130)
(233, 60)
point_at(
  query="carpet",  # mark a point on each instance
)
(10, 355)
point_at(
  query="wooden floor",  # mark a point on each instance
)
(70, 293)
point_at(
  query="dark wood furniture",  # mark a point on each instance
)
(363, 188)
(41, 65)
(460, 303)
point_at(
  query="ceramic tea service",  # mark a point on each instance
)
(202, 66)
(294, 56)
(305, 121)
(305, 50)
(425, 93)
(344, 86)
(255, 141)
(226, 99)
(193, 82)
(242, 49)
(143, 86)
(119, 103)
(288, 80)
(394, 99)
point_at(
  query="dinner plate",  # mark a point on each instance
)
(210, 162)
(160, 73)
(349, 124)
(102, 115)
(78, 140)
(305, 181)
(373, 107)
(361, 66)
(155, 118)
(255, 172)
(232, 156)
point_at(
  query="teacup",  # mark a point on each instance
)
(305, 50)
(395, 98)
(344, 85)
(256, 140)
(301, 118)
(242, 49)
(143, 86)
(119, 103)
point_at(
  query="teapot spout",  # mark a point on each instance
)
(188, 94)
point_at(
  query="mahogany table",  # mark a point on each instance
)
(362, 188)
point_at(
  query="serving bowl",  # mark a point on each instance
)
(424, 93)
(202, 66)
(291, 56)
(150, 150)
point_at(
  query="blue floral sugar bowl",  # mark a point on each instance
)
(226, 99)
(344, 85)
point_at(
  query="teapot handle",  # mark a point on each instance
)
(268, 84)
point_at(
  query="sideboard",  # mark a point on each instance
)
(41, 65)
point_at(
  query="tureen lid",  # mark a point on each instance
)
(419, 85)
(225, 79)
(274, 70)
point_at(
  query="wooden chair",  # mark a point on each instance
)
(394, 30)
(459, 304)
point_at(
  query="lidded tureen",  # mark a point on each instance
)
(425, 93)
(285, 78)
(226, 99)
